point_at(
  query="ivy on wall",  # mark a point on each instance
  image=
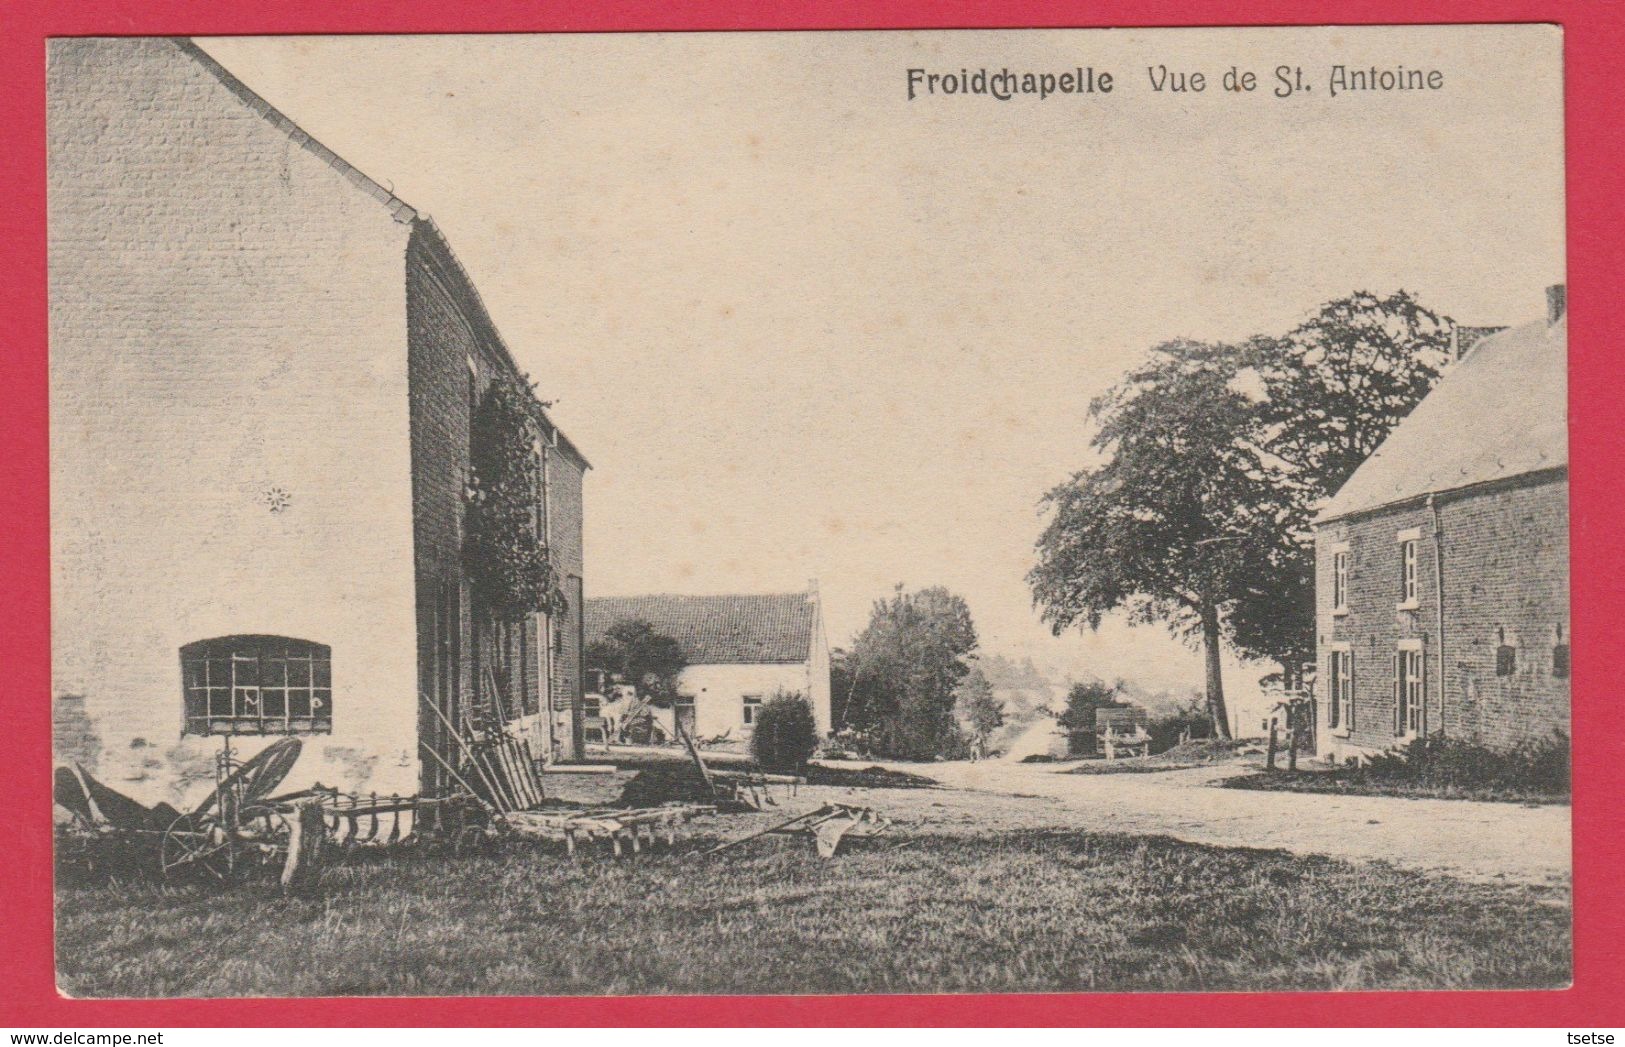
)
(504, 549)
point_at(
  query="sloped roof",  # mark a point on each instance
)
(718, 630)
(1499, 413)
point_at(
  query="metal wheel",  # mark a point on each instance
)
(191, 848)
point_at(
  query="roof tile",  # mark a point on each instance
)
(718, 630)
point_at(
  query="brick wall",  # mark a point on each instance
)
(1506, 574)
(1505, 557)
(229, 425)
(454, 354)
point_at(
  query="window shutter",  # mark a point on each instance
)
(1332, 677)
(1399, 686)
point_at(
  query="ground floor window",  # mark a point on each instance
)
(752, 706)
(257, 685)
(1340, 696)
(1409, 691)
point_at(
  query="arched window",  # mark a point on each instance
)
(257, 685)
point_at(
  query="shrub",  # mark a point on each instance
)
(1540, 766)
(785, 733)
(504, 551)
(1191, 717)
(1078, 718)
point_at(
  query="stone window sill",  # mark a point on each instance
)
(1408, 605)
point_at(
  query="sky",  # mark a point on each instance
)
(804, 327)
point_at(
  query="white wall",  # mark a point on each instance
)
(719, 691)
(227, 320)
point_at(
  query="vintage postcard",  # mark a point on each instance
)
(810, 512)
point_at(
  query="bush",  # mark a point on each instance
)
(785, 734)
(1191, 717)
(1540, 766)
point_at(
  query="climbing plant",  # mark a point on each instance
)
(504, 549)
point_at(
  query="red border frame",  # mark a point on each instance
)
(1594, 49)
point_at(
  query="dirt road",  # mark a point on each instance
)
(1479, 841)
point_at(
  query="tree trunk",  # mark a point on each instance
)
(1215, 673)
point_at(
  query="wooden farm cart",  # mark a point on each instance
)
(628, 831)
(828, 826)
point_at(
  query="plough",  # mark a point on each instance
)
(737, 789)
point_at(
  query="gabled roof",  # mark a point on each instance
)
(719, 630)
(1499, 413)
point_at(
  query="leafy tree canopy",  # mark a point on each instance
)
(633, 652)
(978, 706)
(905, 669)
(1212, 459)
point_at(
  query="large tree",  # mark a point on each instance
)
(904, 670)
(1333, 388)
(1338, 383)
(1215, 458)
(1178, 519)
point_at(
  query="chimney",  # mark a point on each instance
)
(1557, 302)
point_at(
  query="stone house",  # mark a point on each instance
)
(1442, 565)
(741, 651)
(262, 371)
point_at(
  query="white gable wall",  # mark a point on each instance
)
(228, 328)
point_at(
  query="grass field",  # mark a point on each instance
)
(1018, 912)
(1353, 782)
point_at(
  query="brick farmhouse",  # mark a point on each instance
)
(262, 371)
(741, 651)
(1442, 565)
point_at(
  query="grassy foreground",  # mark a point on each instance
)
(1027, 911)
(1354, 782)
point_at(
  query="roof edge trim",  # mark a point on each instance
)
(399, 209)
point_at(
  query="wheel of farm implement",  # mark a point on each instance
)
(191, 848)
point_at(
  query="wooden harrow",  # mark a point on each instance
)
(628, 831)
(828, 826)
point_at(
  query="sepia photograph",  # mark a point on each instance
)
(809, 513)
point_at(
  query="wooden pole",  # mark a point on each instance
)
(457, 777)
(468, 753)
(489, 771)
(1269, 759)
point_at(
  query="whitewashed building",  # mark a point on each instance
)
(741, 650)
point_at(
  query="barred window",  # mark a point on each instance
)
(257, 685)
